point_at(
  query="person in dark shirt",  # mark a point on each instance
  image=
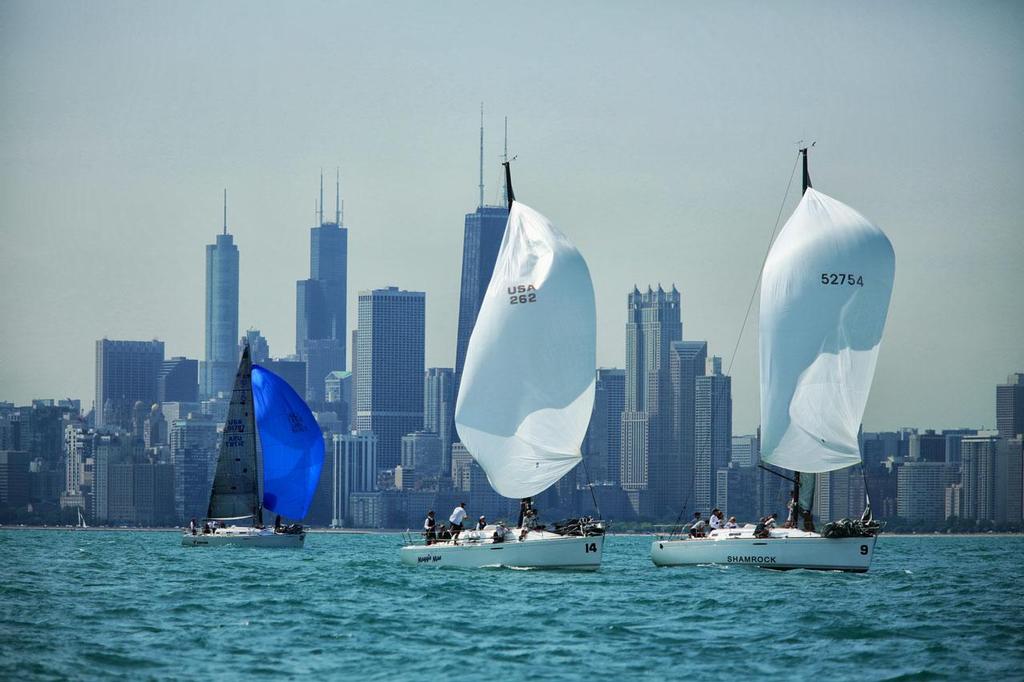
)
(430, 528)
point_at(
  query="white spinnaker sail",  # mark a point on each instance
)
(527, 387)
(825, 294)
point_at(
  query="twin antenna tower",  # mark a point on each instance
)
(339, 205)
(503, 158)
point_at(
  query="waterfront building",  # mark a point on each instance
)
(193, 445)
(259, 348)
(389, 400)
(367, 510)
(745, 451)
(439, 409)
(422, 453)
(928, 447)
(217, 373)
(953, 437)
(291, 370)
(954, 500)
(354, 469)
(14, 478)
(653, 324)
(178, 381)
(838, 495)
(712, 433)
(1010, 406)
(1008, 493)
(736, 492)
(126, 372)
(977, 476)
(687, 362)
(320, 313)
(602, 445)
(78, 452)
(921, 489)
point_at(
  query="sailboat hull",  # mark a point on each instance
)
(544, 550)
(245, 537)
(785, 549)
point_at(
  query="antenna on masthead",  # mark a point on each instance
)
(807, 175)
(337, 196)
(509, 194)
(481, 154)
(225, 210)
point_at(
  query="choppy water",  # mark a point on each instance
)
(130, 605)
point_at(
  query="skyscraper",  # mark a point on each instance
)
(687, 362)
(653, 323)
(484, 229)
(320, 323)
(389, 400)
(355, 471)
(193, 444)
(439, 409)
(218, 370)
(178, 381)
(977, 476)
(259, 349)
(126, 371)
(602, 446)
(1010, 406)
(712, 433)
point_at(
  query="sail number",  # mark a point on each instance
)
(590, 547)
(842, 278)
(522, 293)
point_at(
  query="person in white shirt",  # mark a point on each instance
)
(714, 521)
(456, 519)
(731, 523)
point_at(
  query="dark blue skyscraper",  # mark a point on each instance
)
(484, 230)
(218, 369)
(320, 324)
(389, 388)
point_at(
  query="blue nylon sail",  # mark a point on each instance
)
(293, 447)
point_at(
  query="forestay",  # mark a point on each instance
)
(825, 294)
(527, 387)
(293, 446)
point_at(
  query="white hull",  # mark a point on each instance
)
(244, 537)
(785, 549)
(540, 549)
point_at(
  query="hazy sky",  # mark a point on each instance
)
(659, 138)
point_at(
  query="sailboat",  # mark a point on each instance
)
(526, 395)
(81, 520)
(263, 406)
(825, 291)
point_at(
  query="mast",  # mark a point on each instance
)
(508, 184)
(807, 176)
(504, 158)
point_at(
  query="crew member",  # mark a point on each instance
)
(731, 523)
(697, 526)
(455, 521)
(192, 526)
(714, 521)
(430, 528)
(481, 523)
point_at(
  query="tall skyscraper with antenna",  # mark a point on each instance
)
(217, 371)
(320, 310)
(484, 229)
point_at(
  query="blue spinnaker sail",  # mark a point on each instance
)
(293, 447)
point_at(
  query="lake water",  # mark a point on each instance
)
(136, 604)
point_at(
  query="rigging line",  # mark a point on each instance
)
(757, 282)
(590, 484)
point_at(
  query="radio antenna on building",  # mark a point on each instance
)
(225, 210)
(481, 154)
(321, 213)
(337, 196)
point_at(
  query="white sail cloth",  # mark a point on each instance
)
(527, 387)
(825, 294)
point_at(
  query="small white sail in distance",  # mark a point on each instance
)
(825, 294)
(527, 387)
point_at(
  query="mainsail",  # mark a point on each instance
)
(825, 295)
(527, 388)
(235, 492)
(293, 446)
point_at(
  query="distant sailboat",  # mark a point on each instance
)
(262, 405)
(526, 395)
(825, 293)
(81, 519)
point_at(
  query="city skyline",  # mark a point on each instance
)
(691, 205)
